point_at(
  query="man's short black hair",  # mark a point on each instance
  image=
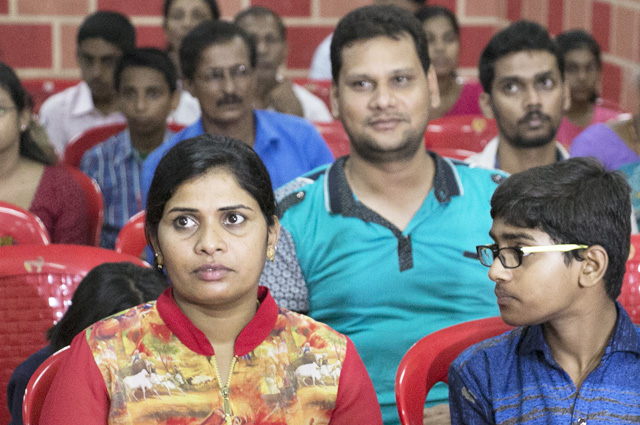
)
(112, 27)
(263, 11)
(206, 34)
(369, 22)
(517, 37)
(148, 57)
(573, 201)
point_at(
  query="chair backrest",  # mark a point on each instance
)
(131, 238)
(88, 139)
(335, 136)
(94, 201)
(427, 362)
(41, 88)
(20, 227)
(630, 294)
(38, 386)
(36, 286)
(321, 88)
(470, 132)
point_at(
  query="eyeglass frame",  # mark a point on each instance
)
(522, 251)
(4, 110)
(218, 75)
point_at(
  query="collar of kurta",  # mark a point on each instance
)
(250, 337)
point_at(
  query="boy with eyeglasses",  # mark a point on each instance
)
(561, 237)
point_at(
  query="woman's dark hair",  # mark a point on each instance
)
(579, 39)
(194, 157)
(107, 289)
(425, 13)
(10, 82)
(212, 4)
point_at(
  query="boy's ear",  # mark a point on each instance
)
(594, 266)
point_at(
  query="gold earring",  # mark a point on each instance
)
(271, 254)
(159, 265)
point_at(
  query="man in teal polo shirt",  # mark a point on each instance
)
(380, 244)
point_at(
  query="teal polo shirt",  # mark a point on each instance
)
(383, 287)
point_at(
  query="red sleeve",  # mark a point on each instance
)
(357, 402)
(78, 394)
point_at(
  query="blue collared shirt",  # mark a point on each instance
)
(116, 166)
(289, 146)
(513, 378)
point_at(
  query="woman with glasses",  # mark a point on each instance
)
(214, 348)
(29, 178)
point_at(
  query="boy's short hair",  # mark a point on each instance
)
(368, 22)
(517, 37)
(573, 201)
(112, 27)
(205, 35)
(148, 57)
(261, 11)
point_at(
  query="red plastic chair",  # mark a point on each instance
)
(321, 88)
(131, 238)
(38, 387)
(469, 132)
(335, 136)
(41, 88)
(454, 153)
(91, 137)
(630, 294)
(20, 227)
(36, 286)
(88, 139)
(94, 201)
(428, 360)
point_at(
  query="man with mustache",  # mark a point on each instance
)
(380, 243)
(218, 62)
(102, 39)
(522, 74)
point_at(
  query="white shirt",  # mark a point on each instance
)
(321, 62)
(313, 108)
(488, 157)
(71, 112)
(188, 110)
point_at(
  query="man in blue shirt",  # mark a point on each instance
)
(561, 241)
(380, 244)
(145, 81)
(218, 61)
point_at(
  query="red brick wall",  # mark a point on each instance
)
(38, 37)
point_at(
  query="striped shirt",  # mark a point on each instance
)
(513, 379)
(116, 165)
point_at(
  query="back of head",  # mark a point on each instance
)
(576, 201)
(10, 82)
(112, 27)
(428, 12)
(579, 39)
(211, 4)
(198, 155)
(107, 289)
(205, 35)
(370, 22)
(261, 11)
(517, 37)
(148, 57)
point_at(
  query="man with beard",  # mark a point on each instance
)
(379, 244)
(218, 61)
(522, 75)
(102, 39)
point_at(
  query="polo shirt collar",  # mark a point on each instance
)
(339, 197)
(256, 331)
(624, 338)
(84, 101)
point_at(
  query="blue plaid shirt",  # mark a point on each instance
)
(117, 166)
(513, 378)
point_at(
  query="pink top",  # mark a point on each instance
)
(467, 103)
(60, 203)
(568, 130)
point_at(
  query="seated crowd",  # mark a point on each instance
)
(288, 284)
